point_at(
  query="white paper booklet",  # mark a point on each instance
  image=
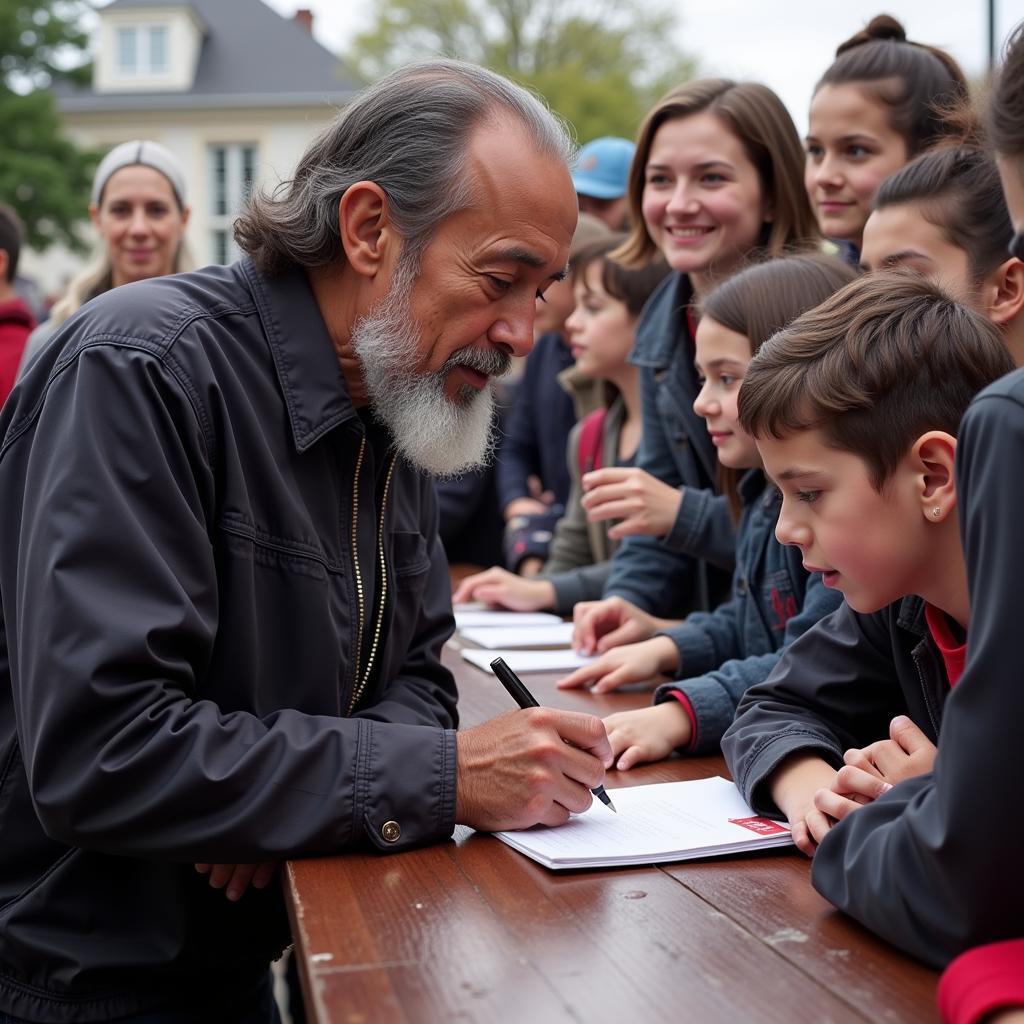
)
(557, 635)
(484, 617)
(661, 822)
(525, 662)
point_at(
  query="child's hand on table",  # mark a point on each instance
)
(497, 587)
(906, 754)
(601, 625)
(632, 663)
(647, 734)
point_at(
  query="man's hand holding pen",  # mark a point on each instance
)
(529, 767)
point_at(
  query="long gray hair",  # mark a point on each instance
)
(408, 133)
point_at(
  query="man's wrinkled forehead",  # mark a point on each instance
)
(509, 173)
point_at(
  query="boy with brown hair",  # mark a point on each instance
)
(856, 407)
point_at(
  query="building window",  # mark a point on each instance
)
(221, 247)
(232, 175)
(143, 50)
(127, 50)
(158, 49)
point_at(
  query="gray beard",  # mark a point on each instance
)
(442, 436)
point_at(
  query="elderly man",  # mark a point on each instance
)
(223, 594)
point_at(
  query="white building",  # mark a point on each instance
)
(232, 88)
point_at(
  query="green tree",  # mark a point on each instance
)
(598, 63)
(42, 174)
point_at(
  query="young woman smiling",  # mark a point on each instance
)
(716, 179)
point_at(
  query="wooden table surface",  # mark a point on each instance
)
(470, 930)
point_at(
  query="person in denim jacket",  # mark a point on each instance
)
(715, 179)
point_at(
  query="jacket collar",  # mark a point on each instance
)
(911, 615)
(304, 357)
(663, 323)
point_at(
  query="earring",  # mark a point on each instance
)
(936, 511)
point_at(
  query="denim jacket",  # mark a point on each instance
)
(774, 601)
(675, 574)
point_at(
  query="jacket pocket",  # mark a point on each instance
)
(248, 541)
(410, 561)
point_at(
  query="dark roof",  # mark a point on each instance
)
(251, 57)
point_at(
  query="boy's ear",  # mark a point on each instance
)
(364, 225)
(1005, 292)
(935, 454)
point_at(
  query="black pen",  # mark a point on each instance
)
(522, 696)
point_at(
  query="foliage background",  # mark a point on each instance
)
(599, 64)
(43, 176)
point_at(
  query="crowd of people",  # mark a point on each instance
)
(762, 449)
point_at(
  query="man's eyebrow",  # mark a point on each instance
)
(529, 259)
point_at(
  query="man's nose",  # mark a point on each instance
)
(513, 333)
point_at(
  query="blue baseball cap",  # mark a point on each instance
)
(602, 168)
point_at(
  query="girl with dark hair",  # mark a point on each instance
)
(715, 181)
(775, 599)
(944, 215)
(883, 100)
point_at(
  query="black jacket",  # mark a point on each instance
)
(934, 865)
(838, 686)
(183, 676)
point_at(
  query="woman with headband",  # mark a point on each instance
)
(140, 213)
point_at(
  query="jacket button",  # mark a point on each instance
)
(391, 831)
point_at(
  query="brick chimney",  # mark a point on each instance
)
(304, 17)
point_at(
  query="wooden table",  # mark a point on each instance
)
(471, 931)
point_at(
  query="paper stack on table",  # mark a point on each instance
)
(558, 634)
(525, 662)
(665, 821)
(485, 617)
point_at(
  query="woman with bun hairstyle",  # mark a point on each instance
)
(945, 216)
(715, 182)
(883, 100)
(140, 213)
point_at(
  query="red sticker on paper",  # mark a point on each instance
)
(762, 826)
